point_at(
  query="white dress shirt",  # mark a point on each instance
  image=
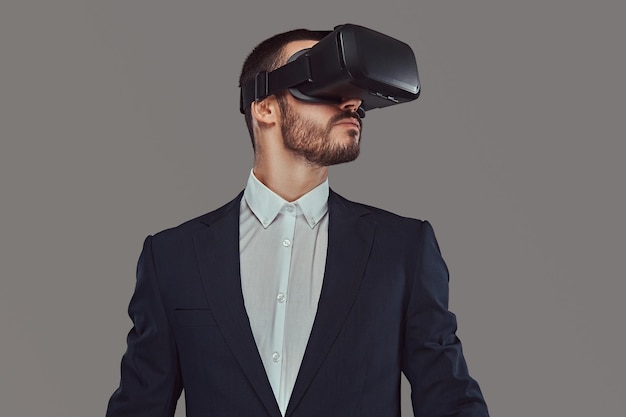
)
(282, 249)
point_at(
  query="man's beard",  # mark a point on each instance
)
(313, 142)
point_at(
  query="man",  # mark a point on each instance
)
(291, 300)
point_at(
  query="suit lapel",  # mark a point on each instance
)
(217, 249)
(350, 237)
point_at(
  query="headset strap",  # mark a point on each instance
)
(266, 83)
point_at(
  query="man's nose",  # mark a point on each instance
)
(350, 104)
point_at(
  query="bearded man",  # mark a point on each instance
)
(291, 300)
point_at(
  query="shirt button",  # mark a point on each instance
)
(286, 243)
(275, 356)
(289, 209)
(281, 297)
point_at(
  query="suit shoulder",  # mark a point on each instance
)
(378, 212)
(190, 227)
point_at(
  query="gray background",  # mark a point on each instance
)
(120, 118)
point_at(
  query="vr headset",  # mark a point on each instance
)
(350, 62)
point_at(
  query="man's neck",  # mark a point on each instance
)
(290, 181)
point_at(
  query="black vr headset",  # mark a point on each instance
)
(350, 62)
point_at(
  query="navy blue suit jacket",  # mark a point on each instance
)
(383, 310)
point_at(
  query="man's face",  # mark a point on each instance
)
(322, 134)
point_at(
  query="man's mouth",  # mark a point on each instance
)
(350, 121)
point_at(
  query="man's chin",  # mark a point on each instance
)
(348, 154)
(354, 135)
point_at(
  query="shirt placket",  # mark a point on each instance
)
(284, 254)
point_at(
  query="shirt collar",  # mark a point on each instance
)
(266, 204)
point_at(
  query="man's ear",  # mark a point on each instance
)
(265, 112)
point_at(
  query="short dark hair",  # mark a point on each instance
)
(268, 55)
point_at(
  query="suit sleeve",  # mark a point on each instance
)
(150, 375)
(433, 360)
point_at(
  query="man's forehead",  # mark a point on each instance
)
(295, 46)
